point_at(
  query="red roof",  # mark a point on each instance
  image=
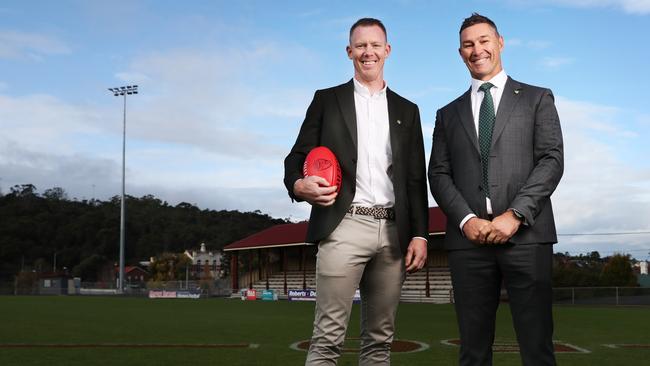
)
(276, 236)
(128, 269)
(294, 234)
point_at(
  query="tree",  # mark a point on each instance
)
(23, 190)
(571, 275)
(169, 267)
(90, 267)
(618, 272)
(594, 256)
(26, 283)
(576, 271)
(55, 194)
(85, 234)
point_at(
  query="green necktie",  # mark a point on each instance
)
(486, 119)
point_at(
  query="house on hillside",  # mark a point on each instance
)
(204, 261)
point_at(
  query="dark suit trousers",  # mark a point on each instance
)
(526, 271)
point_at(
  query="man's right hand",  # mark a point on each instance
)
(477, 230)
(315, 190)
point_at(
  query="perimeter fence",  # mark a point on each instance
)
(221, 288)
(207, 288)
(601, 295)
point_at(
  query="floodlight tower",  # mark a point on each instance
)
(123, 91)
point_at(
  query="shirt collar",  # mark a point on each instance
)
(365, 92)
(499, 81)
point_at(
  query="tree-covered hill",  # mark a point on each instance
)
(35, 228)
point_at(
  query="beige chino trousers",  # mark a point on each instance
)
(362, 252)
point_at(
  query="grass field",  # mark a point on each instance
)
(28, 324)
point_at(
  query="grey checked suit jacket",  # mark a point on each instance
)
(526, 163)
(331, 121)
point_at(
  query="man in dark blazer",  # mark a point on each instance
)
(497, 157)
(375, 228)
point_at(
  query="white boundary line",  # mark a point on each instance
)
(294, 346)
(423, 346)
(580, 349)
(447, 342)
(626, 345)
(129, 345)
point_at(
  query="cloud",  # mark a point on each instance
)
(80, 175)
(132, 77)
(209, 127)
(601, 191)
(531, 44)
(45, 122)
(644, 120)
(23, 45)
(606, 183)
(209, 99)
(556, 62)
(86, 177)
(637, 7)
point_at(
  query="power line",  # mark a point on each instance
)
(604, 251)
(608, 234)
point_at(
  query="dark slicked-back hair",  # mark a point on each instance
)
(368, 22)
(477, 18)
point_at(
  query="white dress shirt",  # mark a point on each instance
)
(374, 154)
(499, 82)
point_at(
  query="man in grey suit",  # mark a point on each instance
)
(497, 157)
(375, 229)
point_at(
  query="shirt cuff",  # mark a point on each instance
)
(419, 237)
(464, 221)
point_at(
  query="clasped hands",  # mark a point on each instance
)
(498, 231)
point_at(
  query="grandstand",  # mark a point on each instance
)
(413, 290)
(278, 258)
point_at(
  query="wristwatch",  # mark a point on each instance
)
(518, 215)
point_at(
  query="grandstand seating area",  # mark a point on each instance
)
(413, 290)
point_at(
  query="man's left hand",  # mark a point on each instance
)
(504, 227)
(416, 255)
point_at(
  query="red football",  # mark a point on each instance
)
(322, 162)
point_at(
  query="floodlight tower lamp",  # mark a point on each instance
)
(123, 91)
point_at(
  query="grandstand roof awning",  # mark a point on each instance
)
(287, 235)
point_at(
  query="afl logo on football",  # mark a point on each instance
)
(322, 164)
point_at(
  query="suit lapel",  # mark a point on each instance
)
(509, 99)
(464, 107)
(345, 97)
(393, 123)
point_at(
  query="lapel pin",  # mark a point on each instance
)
(517, 91)
(399, 122)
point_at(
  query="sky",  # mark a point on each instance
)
(224, 86)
